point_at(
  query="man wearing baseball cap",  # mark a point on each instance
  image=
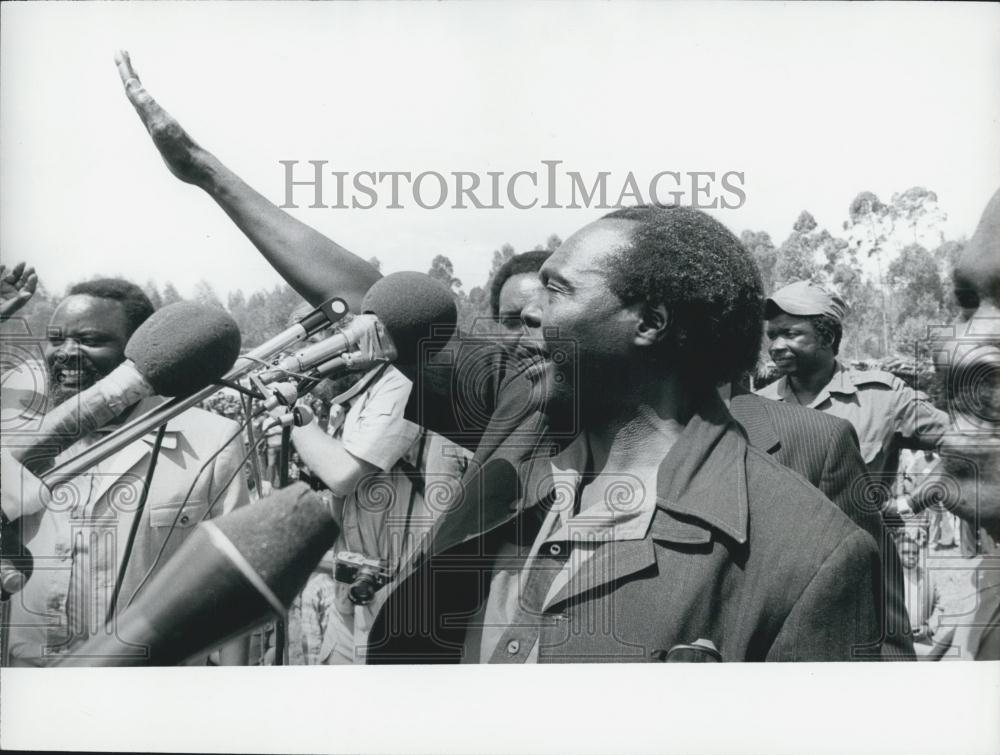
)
(804, 327)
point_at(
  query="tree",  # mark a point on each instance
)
(376, 263)
(443, 270)
(205, 294)
(760, 246)
(881, 234)
(796, 258)
(916, 283)
(916, 210)
(170, 295)
(500, 256)
(869, 228)
(552, 243)
(153, 293)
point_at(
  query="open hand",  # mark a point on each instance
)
(17, 285)
(180, 152)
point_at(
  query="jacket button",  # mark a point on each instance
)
(555, 549)
(185, 519)
(513, 646)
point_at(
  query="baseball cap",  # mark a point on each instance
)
(804, 299)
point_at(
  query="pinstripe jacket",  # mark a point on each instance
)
(824, 449)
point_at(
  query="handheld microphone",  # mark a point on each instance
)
(399, 312)
(296, 416)
(16, 561)
(364, 333)
(231, 575)
(413, 307)
(178, 350)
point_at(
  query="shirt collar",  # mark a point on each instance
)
(623, 515)
(840, 382)
(701, 481)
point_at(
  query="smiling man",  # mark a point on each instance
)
(79, 544)
(88, 333)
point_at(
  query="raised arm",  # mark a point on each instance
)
(315, 266)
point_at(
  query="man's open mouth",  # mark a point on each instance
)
(73, 378)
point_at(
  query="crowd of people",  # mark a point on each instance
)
(598, 479)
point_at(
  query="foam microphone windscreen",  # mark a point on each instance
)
(231, 575)
(413, 307)
(183, 347)
(283, 538)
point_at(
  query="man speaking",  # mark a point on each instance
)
(657, 533)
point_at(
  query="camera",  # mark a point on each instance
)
(364, 575)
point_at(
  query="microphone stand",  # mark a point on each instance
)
(134, 528)
(326, 314)
(284, 459)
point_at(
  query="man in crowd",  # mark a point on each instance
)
(923, 599)
(967, 481)
(387, 476)
(79, 544)
(513, 287)
(820, 447)
(804, 327)
(661, 304)
(581, 556)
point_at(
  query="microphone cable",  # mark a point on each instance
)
(184, 501)
(134, 527)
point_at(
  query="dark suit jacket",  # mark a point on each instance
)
(824, 449)
(492, 415)
(741, 551)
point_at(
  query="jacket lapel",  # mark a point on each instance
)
(701, 487)
(611, 563)
(489, 498)
(751, 412)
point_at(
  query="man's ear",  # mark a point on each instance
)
(652, 325)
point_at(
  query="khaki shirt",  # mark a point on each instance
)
(880, 406)
(78, 540)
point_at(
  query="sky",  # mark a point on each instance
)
(811, 103)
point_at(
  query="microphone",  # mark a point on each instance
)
(328, 312)
(16, 561)
(413, 307)
(296, 416)
(399, 311)
(178, 350)
(364, 333)
(20, 495)
(231, 575)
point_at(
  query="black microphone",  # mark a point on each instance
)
(399, 312)
(231, 575)
(16, 562)
(178, 350)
